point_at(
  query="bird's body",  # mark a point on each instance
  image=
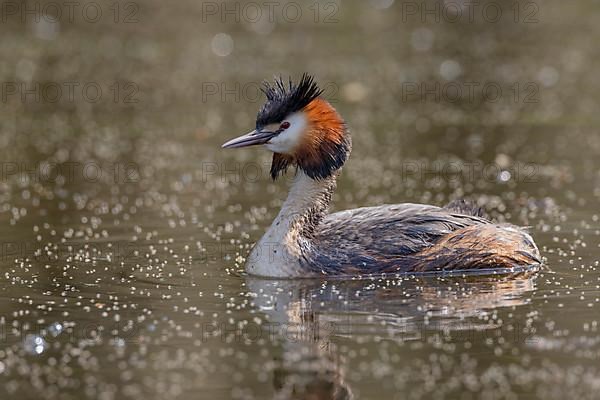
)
(305, 241)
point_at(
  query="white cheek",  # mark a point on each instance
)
(289, 139)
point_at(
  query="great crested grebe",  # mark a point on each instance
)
(306, 132)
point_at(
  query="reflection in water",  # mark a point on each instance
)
(311, 315)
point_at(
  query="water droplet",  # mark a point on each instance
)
(222, 44)
(450, 70)
(25, 70)
(504, 176)
(548, 76)
(421, 39)
(34, 344)
(55, 329)
(354, 92)
(45, 29)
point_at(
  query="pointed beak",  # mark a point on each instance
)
(250, 139)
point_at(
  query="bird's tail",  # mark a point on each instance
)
(480, 247)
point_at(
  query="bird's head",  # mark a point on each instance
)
(300, 128)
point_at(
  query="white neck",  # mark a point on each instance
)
(278, 252)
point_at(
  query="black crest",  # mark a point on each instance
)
(283, 99)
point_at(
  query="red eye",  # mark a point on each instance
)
(285, 125)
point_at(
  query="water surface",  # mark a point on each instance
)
(124, 226)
